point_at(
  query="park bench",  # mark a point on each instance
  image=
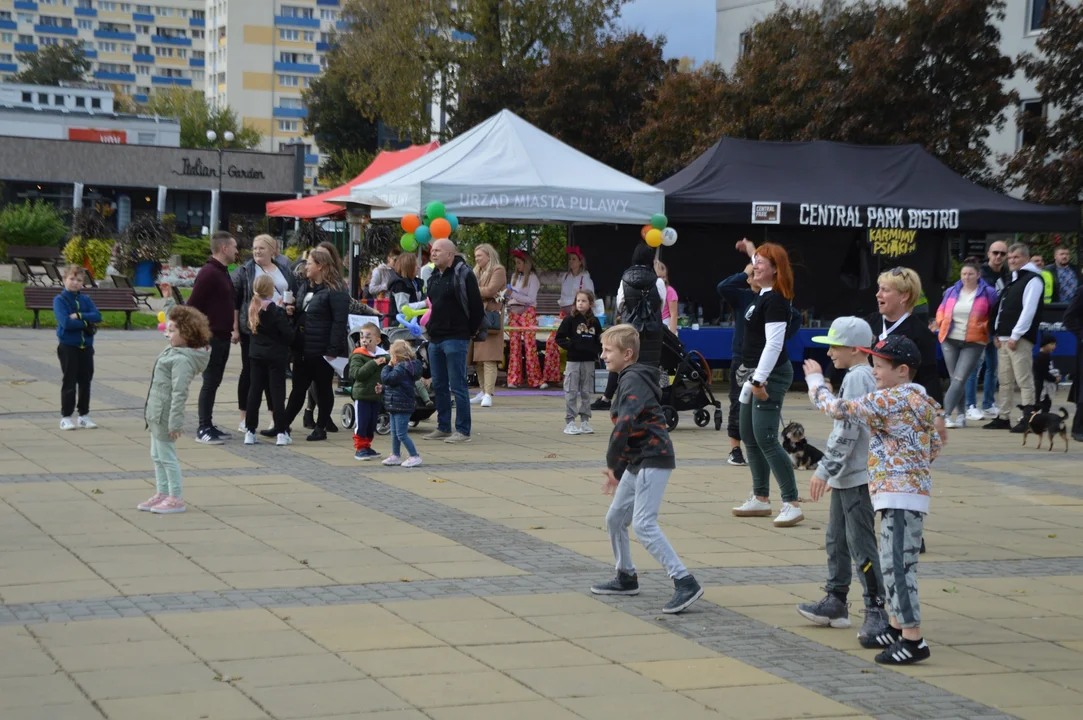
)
(105, 299)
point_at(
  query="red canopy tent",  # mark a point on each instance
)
(315, 205)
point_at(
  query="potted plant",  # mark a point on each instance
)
(142, 246)
(92, 253)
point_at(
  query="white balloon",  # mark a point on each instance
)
(669, 237)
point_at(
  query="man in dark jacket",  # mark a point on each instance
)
(457, 314)
(1073, 321)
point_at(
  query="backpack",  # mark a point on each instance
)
(794, 324)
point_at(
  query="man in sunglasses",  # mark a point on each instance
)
(996, 274)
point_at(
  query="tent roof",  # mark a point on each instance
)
(316, 206)
(508, 170)
(832, 184)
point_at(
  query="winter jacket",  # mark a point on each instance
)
(846, 455)
(581, 336)
(274, 336)
(322, 322)
(401, 291)
(169, 381)
(639, 438)
(457, 309)
(364, 371)
(977, 326)
(70, 331)
(643, 310)
(245, 276)
(398, 382)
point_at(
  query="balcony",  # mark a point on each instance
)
(323, 47)
(143, 59)
(114, 76)
(86, 12)
(197, 22)
(26, 5)
(342, 25)
(90, 53)
(8, 25)
(312, 159)
(25, 47)
(306, 68)
(114, 35)
(283, 21)
(197, 62)
(142, 17)
(55, 30)
(181, 82)
(281, 112)
(329, 3)
(9, 67)
(165, 40)
(140, 98)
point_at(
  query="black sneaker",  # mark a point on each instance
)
(224, 434)
(317, 434)
(737, 457)
(623, 584)
(998, 424)
(1021, 426)
(905, 652)
(832, 611)
(208, 436)
(269, 432)
(601, 404)
(685, 592)
(309, 420)
(887, 638)
(922, 550)
(331, 427)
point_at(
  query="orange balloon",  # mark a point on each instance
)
(644, 230)
(440, 228)
(654, 237)
(411, 223)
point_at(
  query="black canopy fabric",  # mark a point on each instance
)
(824, 184)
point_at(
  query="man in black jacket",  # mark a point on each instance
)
(457, 313)
(1073, 320)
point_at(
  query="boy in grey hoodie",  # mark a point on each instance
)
(843, 472)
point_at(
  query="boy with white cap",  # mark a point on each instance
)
(843, 472)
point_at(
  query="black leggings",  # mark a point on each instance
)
(268, 376)
(244, 382)
(308, 370)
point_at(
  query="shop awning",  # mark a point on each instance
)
(315, 206)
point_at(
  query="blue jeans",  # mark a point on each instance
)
(400, 427)
(989, 390)
(447, 362)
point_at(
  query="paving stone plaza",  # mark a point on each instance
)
(304, 584)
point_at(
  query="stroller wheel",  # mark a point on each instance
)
(383, 424)
(702, 418)
(671, 417)
(414, 423)
(717, 419)
(347, 420)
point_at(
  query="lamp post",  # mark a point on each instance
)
(216, 203)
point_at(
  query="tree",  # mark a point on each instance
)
(338, 124)
(1050, 167)
(52, 65)
(196, 117)
(341, 166)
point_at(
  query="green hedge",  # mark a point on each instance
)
(32, 223)
(193, 251)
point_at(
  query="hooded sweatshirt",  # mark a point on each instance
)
(639, 438)
(846, 457)
(168, 392)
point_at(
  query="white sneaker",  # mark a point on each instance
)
(753, 508)
(992, 413)
(243, 427)
(284, 439)
(973, 413)
(572, 429)
(543, 386)
(487, 401)
(86, 423)
(66, 424)
(476, 400)
(250, 438)
(952, 423)
(412, 461)
(789, 516)
(585, 428)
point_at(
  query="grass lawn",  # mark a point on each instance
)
(13, 312)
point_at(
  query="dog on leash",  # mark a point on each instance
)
(803, 455)
(1043, 422)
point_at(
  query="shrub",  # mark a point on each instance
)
(193, 251)
(97, 252)
(145, 238)
(32, 223)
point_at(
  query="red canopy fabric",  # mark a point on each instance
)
(315, 205)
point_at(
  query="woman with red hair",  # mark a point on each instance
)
(766, 367)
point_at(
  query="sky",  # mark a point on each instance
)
(687, 24)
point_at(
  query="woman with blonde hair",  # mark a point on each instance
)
(272, 336)
(486, 356)
(522, 300)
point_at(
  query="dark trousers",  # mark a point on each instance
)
(733, 424)
(268, 376)
(1077, 423)
(308, 370)
(611, 386)
(244, 382)
(212, 378)
(77, 365)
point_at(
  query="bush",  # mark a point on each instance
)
(145, 238)
(32, 223)
(98, 252)
(193, 251)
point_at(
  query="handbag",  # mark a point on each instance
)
(492, 323)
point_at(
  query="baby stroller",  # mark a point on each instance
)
(691, 386)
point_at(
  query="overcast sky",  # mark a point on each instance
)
(687, 24)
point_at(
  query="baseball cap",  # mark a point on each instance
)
(847, 332)
(897, 348)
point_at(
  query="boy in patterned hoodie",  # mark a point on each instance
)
(904, 441)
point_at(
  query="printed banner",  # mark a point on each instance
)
(109, 137)
(892, 242)
(856, 216)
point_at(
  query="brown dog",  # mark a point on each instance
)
(1045, 423)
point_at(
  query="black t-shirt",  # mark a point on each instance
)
(766, 307)
(929, 371)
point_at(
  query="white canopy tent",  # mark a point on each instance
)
(507, 170)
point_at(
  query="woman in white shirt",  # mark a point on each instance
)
(577, 278)
(522, 301)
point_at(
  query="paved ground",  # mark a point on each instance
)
(302, 584)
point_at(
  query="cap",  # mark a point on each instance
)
(518, 254)
(847, 332)
(897, 348)
(574, 250)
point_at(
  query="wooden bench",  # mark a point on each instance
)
(34, 255)
(105, 299)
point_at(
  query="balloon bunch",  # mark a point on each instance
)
(657, 232)
(161, 321)
(438, 225)
(408, 318)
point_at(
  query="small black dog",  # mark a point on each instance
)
(1043, 423)
(803, 455)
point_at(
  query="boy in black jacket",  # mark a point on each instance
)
(641, 455)
(580, 334)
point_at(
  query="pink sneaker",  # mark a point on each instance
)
(412, 461)
(154, 500)
(392, 460)
(169, 506)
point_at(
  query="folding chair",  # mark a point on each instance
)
(122, 281)
(34, 278)
(53, 272)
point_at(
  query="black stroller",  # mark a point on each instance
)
(383, 420)
(691, 386)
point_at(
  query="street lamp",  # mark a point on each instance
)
(212, 137)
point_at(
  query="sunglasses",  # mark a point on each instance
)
(896, 271)
(998, 252)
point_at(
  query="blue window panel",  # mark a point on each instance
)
(86, 12)
(312, 159)
(196, 62)
(323, 47)
(90, 53)
(342, 25)
(9, 67)
(331, 3)
(142, 17)
(197, 22)
(286, 67)
(163, 40)
(26, 5)
(25, 47)
(297, 22)
(156, 80)
(143, 59)
(140, 98)
(54, 30)
(119, 77)
(114, 35)
(8, 25)
(282, 112)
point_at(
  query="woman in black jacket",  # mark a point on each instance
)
(271, 332)
(320, 313)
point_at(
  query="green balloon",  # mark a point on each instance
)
(659, 221)
(408, 242)
(435, 210)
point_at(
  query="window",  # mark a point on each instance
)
(744, 43)
(125, 48)
(197, 75)
(163, 11)
(310, 171)
(125, 7)
(80, 102)
(288, 80)
(1028, 109)
(170, 32)
(325, 37)
(163, 51)
(107, 5)
(287, 126)
(297, 12)
(142, 29)
(199, 55)
(306, 82)
(1038, 15)
(84, 4)
(289, 146)
(170, 72)
(7, 57)
(47, 41)
(288, 57)
(291, 103)
(142, 50)
(24, 18)
(50, 21)
(326, 14)
(43, 99)
(5, 15)
(309, 36)
(58, 99)
(142, 69)
(182, 53)
(114, 68)
(147, 138)
(7, 37)
(110, 47)
(28, 97)
(86, 24)
(96, 103)
(289, 35)
(182, 12)
(26, 39)
(199, 15)
(198, 34)
(143, 9)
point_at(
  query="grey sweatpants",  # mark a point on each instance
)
(578, 384)
(851, 536)
(900, 543)
(636, 503)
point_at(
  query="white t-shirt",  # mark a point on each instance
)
(960, 314)
(281, 285)
(571, 284)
